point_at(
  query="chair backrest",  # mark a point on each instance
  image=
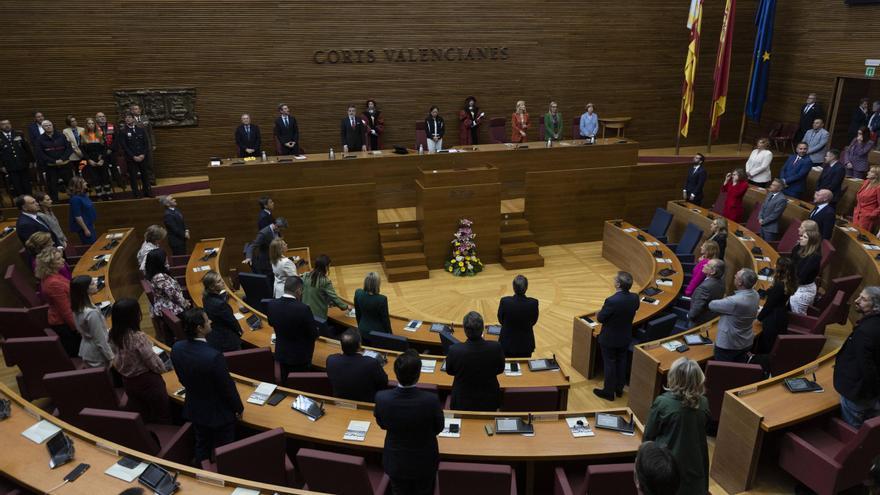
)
(71, 391)
(258, 364)
(24, 322)
(856, 456)
(421, 135)
(660, 223)
(848, 286)
(179, 260)
(35, 356)
(826, 317)
(661, 327)
(122, 427)
(723, 376)
(789, 237)
(827, 253)
(485, 479)
(689, 239)
(497, 131)
(523, 399)
(718, 207)
(334, 473)
(260, 457)
(540, 125)
(22, 288)
(792, 351)
(255, 287)
(388, 341)
(610, 479)
(752, 223)
(576, 127)
(148, 290)
(447, 340)
(315, 382)
(173, 324)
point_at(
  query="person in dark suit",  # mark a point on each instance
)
(616, 317)
(809, 113)
(475, 364)
(351, 131)
(859, 118)
(771, 211)
(15, 159)
(857, 365)
(823, 214)
(178, 233)
(517, 315)
(794, 172)
(53, 150)
(286, 132)
(434, 130)
(257, 252)
(412, 419)
(35, 129)
(225, 333)
(295, 329)
(265, 217)
(212, 402)
(28, 222)
(135, 146)
(247, 138)
(710, 289)
(832, 175)
(696, 179)
(656, 472)
(355, 376)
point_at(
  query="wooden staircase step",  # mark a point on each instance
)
(515, 248)
(520, 261)
(401, 234)
(404, 259)
(403, 273)
(400, 247)
(513, 224)
(517, 236)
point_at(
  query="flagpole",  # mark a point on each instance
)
(678, 129)
(742, 126)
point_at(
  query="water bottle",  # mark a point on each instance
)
(264, 156)
(421, 150)
(593, 139)
(549, 143)
(332, 154)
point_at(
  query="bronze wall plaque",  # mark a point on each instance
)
(163, 107)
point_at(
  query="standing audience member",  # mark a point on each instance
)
(143, 121)
(140, 367)
(710, 289)
(470, 118)
(678, 421)
(375, 122)
(175, 225)
(874, 121)
(859, 118)
(518, 315)
(817, 140)
(352, 132)
(319, 293)
(15, 158)
(738, 312)
(295, 329)
(167, 293)
(616, 317)
(94, 349)
(553, 126)
(868, 201)
(774, 315)
(856, 375)
(355, 376)
(257, 252)
(53, 154)
(82, 211)
(758, 164)
(696, 179)
(823, 214)
(807, 257)
(212, 403)
(589, 124)
(225, 333)
(55, 290)
(794, 172)
(435, 128)
(282, 267)
(771, 211)
(136, 147)
(152, 237)
(655, 470)
(809, 113)
(412, 418)
(28, 221)
(519, 122)
(708, 251)
(73, 133)
(475, 365)
(265, 217)
(857, 154)
(247, 138)
(36, 244)
(47, 216)
(97, 170)
(286, 132)
(371, 308)
(832, 174)
(735, 186)
(35, 128)
(718, 233)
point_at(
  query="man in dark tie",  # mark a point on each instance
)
(771, 211)
(696, 179)
(832, 175)
(412, 419)
(28, 222)
(286, 132)
(810, 111)
(136, 147)
(794, 172)
(353, 375)
(143, 121)
(247, 138)
(178, 233)
(616, 317)
(265, 217)
(518, 315)
(15, 159)
(295, 329)
(257, 252)
(823, 214)
(35, 129)
(475, 364)
(53, 156)
(352, 131)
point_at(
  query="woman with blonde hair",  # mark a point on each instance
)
(520, 123)
(718, 229)
(758, 164)
(678, 421)
(152, 237)
(95, 151)
(39, 241)
(55, 290)
(867, 210)
(708, 251)
(807, 257)
(282, 267)
(371, 308)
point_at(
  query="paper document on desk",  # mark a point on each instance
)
(631, 229)
(672, 345)
(262, 393)
(41, 431)
(663, 260)
(238, 316)
(413, 325)
(357, 431)
(451, 421)
(667, 283)
(512, 369)
(428, 365)
(126, 474)
(580, 430)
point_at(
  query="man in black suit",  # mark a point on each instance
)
(53, 150)
(518, 315)
(823, 213)
(857, 365)
(265, 218)
(616, 317)
(710, 289)
(810, 111)
(247, 138)
(257, 252)
(412, 419)
(28, 222)
(178, 233)
(355, 376)
(475, 364)
(832, 175)
(135, 145)
(35, 129)
(212, 402)
(15, 158)
(696, 179)
(286, 132)
(859, 119)
(352, 130)
(295, 329)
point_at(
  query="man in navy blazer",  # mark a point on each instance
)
(178, 232)
(412, 419)
(616, 317)
(823, 214)
(696, 179)
(475, 364)
(265, 218)
(257, 252)
(832, 175)
(28, 223)
(518, 315)
(212, 402)
(295, 329)
(352, 131)
(286, 132)
(355, 376)
(794, 172)
(35, 129)
(247, 138)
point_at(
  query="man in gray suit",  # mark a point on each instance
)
(771, 211)
(817, 140)
(738, 313)
(710, 289)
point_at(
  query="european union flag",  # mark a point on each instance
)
(761, 59)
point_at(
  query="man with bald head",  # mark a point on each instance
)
(53, 154)
(823, 213)
(710, 289)
(248, 138)
(738, 313)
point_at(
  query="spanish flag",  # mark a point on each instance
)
(695, 20)
(722, 67)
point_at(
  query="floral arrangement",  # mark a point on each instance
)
(464, 261)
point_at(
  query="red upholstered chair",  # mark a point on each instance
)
(793, 351)
(315, 382)
(525, 399)
(485, 479)
(752, 223)
(71, 391)
(173, 324)
(258, 364)
(832, 458)
(36, 356)
(179, 260)
(718, 206)
(22, 285)
(540, 123)
(148, 290)
(341, 474)
(262, 457)
(421, 135)
(789, 238)
(599, 479)
(170, 442)
(827, 253)
(722, 376)
(785, 136)
(576, 128)
(815, 325)
(498, 130)
(24, 322)
(848, 285)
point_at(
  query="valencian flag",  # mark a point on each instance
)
(695, 20)
(722, 67)
(761, 61)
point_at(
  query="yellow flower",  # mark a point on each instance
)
(450, 269)
(460, 263)
(458, 244)
(468, 258)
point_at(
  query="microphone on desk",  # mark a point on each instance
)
(530, 419)
(814, 376)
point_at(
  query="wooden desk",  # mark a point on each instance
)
(9, 248)
(28, 463)
(621, 246)
(749, 413)
(121, 276)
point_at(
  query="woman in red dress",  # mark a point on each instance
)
(735, 185)
(520, 123)
(867, 212)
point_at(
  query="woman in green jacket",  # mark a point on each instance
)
(678, 422)
(371, 308)
(553, 123)
(318, 291)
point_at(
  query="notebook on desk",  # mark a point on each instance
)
(493, 329)
(543, 364)
(441, 327)
(514, 426)
(696, 339)
(614, 422)
(308, 406)
(801, 384)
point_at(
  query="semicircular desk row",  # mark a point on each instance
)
(552, 442)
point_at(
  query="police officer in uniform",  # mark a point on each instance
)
(15, 155)
(135, 146)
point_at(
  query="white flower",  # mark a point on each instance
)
(459, 258)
